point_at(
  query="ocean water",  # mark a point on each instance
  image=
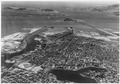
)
(12, 25)
(15, 24)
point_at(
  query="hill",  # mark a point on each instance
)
(19, 11)
(112, 9)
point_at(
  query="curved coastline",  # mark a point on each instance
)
(26, 44)
(30, 38)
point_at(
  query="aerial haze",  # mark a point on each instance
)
(60, 42)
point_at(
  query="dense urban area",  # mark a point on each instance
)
(64, 51)
(59, 42)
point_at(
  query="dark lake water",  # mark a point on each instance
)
(73, 76)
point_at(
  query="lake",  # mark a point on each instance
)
(73, 76)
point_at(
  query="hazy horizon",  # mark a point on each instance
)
(68, 8)
(55, 3)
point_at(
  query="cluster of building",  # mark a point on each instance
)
(67, 51)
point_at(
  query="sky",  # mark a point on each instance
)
(70, 3)
(74, 1)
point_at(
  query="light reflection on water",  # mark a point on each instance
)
(17, 24)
